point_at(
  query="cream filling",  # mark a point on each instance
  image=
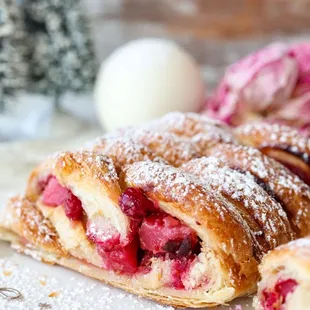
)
(72, 235)
(101, 205)
(299, 299)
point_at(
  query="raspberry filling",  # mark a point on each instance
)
(153, 233)
(122, 259)
(179, 268)
(274, 299)
(135, 204)
(171, 235)
(55, 195)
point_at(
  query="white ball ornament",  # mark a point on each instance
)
(145, 79)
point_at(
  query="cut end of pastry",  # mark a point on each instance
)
(285, 280)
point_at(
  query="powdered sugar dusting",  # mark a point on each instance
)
(298, 245)
(251, 200)
(174, 149)
(292, 193)
(200, 128)
(185, 124)
(277, 135)
(123, 150)
(43, 292)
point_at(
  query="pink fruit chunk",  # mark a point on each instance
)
(121, 259)
(283, 288)
(271, 300)
(274, 299)
(43, 182)
(103, 233)
(55, 195)
(73, 207)
(163, 233)
(179, 268)
(135, 204)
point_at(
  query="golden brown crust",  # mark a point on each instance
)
(287, 188)
(123, 151)
(96, 169)
(172, 148)
(24, 219)
(192, 124)
(267, 221)
(182, 195)
(236, 227)
(280, 142)
(262, 135)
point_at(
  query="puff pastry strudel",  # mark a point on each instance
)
(144, 210)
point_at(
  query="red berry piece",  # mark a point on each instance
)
(271, 300)
(179, 268)
(54, 194)
(163, 233)
(135, 204)
(283, 288)
(73, 207)
(121, 259)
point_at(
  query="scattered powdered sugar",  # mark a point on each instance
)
(170, 147)
(41, 292)
(174, 149)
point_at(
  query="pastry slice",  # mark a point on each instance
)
(283, 143)
(285, 283)
(77, 212)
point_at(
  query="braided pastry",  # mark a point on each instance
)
(172, 148)
(281, 184)
(280, 142)
(285, 280)
(265, 217)
(97, 211)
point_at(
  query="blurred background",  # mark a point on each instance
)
(50, 50)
